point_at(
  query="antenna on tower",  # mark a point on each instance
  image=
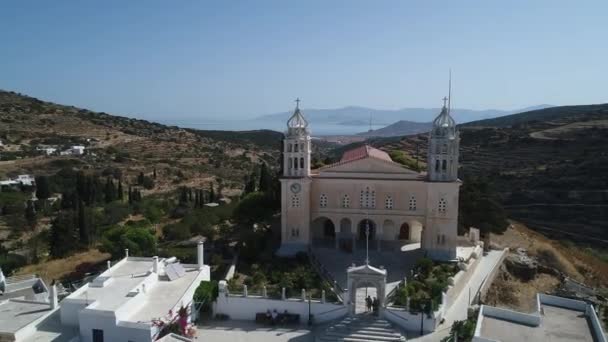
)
(370, 122)
(450, 92)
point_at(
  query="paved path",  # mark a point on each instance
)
(245, 331)
(458, 311)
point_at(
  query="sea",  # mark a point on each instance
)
(319, 129)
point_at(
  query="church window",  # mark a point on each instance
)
(301, 163)
(438, 238)
(444, 148)
(289, 162)
(295, 163)
(437, 151)
(289, 147)
(444, 165)
(323, 201)
(442, 205)
(443, 239)
(368, 198)
(436, 165)
(302, 147)
(388, 203)
(345, 201)
(412, 203)
(295, 201)
(295, 147)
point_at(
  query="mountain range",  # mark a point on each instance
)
(360, 116)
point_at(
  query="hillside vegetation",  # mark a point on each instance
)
(548, 167)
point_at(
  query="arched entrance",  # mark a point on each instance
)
(358, 279)
(363, 227)
(415, 231)
(404, 231)
(345, 239)
(323, 232)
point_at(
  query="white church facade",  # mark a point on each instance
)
(367, 193)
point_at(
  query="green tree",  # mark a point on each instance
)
(110, 191)
(84, 227)
(254, 207)
(31, 216)
(42, 188)
(480, 208)
(120, 191)
(63, 235)
(265, 179)
(139, 240)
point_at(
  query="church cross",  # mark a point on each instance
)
(298, 102)
(445, 100)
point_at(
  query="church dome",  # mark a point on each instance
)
(444, 125)
(297, 124)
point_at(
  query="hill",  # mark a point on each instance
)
(399, 128)
(548, 166)
(185, 155)
(359, 116)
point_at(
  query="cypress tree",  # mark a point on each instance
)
(265, 178)
(120, 192)
(83, 227)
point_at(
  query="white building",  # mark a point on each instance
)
(366, 191)
(47, 150)
(25, 301)
(555, 319)
(77, 150)
(122, 302)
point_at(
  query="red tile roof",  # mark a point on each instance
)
(364, 152)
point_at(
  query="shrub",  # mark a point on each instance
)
(140, 241)
(206, 293)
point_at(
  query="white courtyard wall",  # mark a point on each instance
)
(490, 277)
(562, 302)
(106, 321)
(461, 279)
(410, 321)
(596, 325)
(513, 316)
(245, 308)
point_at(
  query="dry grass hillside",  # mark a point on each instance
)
(183, 156)
(510, 290)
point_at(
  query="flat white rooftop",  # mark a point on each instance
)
(558, 325)
(165, 294)
(15, 314)
(124, 278)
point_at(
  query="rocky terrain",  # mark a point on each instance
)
(130, 145)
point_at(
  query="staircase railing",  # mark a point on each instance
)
(325, 275)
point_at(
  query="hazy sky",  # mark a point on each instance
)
(230, 59)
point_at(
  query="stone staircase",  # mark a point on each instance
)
(359, 328)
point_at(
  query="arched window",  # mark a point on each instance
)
(436, 165)
(323, 201)
(302, 147)
(368, 198)
(295, 201)
(444, 166)
(442, 205)
(295, 147)
(295, 163)
(302, 163)
(289, 163)
(444, 148)
(412, 203)
(388, 202)
(289, 147)
(345, 201)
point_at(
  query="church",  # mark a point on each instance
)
(366, 197)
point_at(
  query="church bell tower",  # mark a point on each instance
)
(444, 141)
(295, 186)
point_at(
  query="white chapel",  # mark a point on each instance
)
(366, 193)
